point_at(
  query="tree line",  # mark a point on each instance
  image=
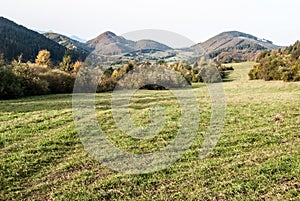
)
(41, 77)
(278, 64)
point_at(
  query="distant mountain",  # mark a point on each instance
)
(78, 39)
(16, 40)
(42, 31)
(150, 44)
(109, 43)
(234, 46)
(226, 47)
(79, 50)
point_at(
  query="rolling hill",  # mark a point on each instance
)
(234, 46)
(226, 47)
(16, 40)
(109, 43)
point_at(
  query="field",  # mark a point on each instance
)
(256, 158)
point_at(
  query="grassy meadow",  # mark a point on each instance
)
(256, 158)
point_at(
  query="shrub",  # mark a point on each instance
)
(31, 83)
(278, 64)
(58, 81)
(293, 73)
(10, 86)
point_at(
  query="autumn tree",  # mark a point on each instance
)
(66, 64)
(43, 58)
(278, 64)
(76, 67)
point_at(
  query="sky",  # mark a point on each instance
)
(275, 20)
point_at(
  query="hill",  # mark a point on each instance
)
(150, 44)
(16, 40)
(78, 49)
(109, 43)
(226, 47)
(234, 46)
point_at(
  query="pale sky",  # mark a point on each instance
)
(275, 20)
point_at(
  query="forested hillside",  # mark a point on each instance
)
(16, 40)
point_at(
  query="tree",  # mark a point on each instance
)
(116, 75)
(43, 58)
(10, 85)
(31, 83)
(77, 65)
(66, 64)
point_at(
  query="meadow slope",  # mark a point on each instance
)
(256, 158)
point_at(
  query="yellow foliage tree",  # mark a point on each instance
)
(43, 58)
(77, 65)
(116, 75)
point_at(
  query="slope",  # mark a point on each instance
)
(16, 40)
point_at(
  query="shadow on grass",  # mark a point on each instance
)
(228, 80)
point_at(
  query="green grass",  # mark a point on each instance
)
(256, 158)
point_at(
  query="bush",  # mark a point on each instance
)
(31, 83)
(293, 73)
(10, 86)
(278, 65)
(58, 81)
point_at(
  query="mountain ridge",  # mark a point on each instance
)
(230, 46)
(79, 49)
